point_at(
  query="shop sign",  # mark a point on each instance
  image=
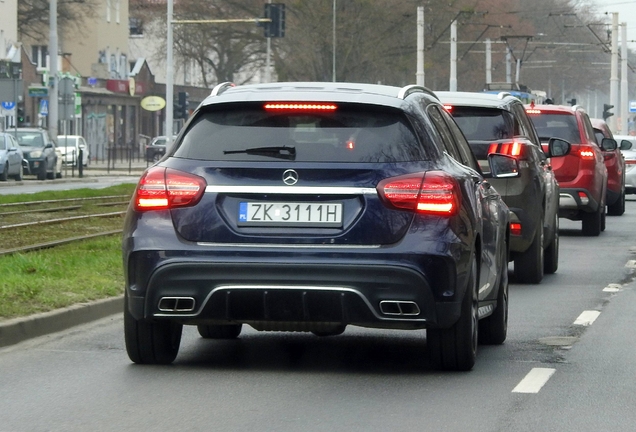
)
(153, 103)
(38, 91)
(123, 86)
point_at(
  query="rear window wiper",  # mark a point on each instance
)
(283, 152)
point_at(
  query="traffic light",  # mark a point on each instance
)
(177, 112)
(183, 105)
(276, 12)
(606, 113)
(572, 101)
(20, 117)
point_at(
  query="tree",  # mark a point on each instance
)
(33, 16)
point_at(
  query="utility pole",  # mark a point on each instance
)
(453, 57)
(614, 70)
(419, 76)
(624, 89)
(53, 81)
(333, 60)
(488, 61)
(169, 79)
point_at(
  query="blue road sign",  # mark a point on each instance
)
(632, 106)
(44, 107)
(8, 105)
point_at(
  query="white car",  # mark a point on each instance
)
(70, 146)
(630, 161)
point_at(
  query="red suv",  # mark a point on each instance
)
(615, 163)
(582, 174)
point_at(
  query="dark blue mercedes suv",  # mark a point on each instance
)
(314, 206)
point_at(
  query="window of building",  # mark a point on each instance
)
(39, 54)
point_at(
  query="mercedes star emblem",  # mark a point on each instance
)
(290, 177)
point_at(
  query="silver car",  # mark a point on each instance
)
(629, 153)
(10, 158)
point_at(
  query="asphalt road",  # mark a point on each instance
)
(567, 365)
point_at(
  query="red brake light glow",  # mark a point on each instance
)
(509, 149)
(515, 228)
(434, 193)
(293, 106)
(165, 188)
(448, 107)
(533, 111)
(586, 153)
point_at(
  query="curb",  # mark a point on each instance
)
(20, 329)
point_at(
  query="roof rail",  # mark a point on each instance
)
(414, 88)
(220, 88)
(503, 94)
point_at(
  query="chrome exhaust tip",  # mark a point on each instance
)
(399, 308)
(176, 304)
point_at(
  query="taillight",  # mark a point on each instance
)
(165, 188)
(509, 149)
(630, 161)
(586, 153)
(515, 228)
(434, 193)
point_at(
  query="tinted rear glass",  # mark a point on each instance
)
(562, 126)
(348, 134)
(484, 124)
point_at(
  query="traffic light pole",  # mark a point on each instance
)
(53, 81)
(614, 71)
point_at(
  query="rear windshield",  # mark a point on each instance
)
(484, 124)
(348, 134)
(562, 126)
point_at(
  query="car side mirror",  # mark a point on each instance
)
(503, 166)
(626, 145)
(609, 144)
(558, 147)
(48, 145)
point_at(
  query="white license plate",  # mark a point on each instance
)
(290, 213)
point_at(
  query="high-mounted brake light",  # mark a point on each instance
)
(165, 188)
(448, 107)
(433, 193)
(293, 106)
(533, 111)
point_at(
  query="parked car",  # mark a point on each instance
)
(311, 207)
(615, 164)
(157, 148)
(627, 144)
(10, 157)
(40, 153)
(498, 123)
(582, 174)
(70, 146)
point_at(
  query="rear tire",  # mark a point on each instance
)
(529, 264)
(591, 223)
(551, 253)
(151, 342)
(494, 328)
(455, 348)
(5, 174)
(230, 331)
(618, 208)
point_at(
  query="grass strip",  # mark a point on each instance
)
(49, 279)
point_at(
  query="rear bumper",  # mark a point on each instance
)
(571, 204)
(296, 292)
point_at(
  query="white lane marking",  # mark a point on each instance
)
(612, 288)
(534, 381)
(587, 318)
